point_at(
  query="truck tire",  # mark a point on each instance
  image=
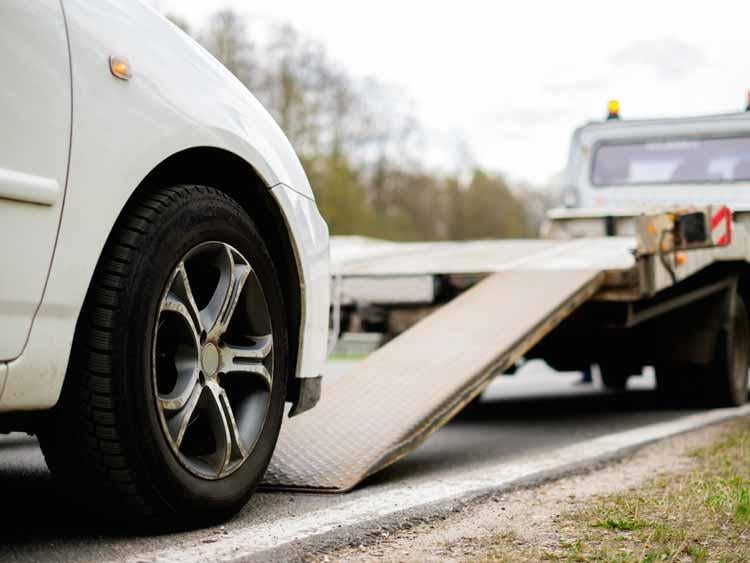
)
(175, 389)
(722, 382)
(679, 385)
(726, 382)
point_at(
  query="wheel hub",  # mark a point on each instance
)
(210, 359)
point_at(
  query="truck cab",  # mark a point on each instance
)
(641, 164)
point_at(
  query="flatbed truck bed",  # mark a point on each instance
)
(620, 302)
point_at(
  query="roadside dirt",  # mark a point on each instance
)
(526, 517)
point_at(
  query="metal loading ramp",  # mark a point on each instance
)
(417, 382)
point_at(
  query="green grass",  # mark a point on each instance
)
(700, 515)
(624, 524)
(343, 357)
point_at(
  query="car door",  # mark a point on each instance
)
(35, 134)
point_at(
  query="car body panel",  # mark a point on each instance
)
(35, 114)
(178, 98)
(587, 138)
(3, 375)
(310, 232)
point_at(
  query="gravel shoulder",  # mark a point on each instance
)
(531, 524)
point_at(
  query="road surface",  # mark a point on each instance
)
(525, 415)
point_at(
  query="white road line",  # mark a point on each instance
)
(243, 543)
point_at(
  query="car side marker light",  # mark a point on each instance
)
(119, 67)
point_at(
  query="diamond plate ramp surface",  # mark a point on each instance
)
(401, 393)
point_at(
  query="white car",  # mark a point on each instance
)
(163, 265)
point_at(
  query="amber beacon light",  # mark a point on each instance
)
(613, 109)
(119, 67)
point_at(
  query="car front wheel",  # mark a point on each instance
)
(175, 390)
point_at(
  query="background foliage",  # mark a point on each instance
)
(361, 145)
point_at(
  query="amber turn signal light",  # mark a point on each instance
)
(119, 67)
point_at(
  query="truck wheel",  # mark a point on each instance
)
(614, 378)
(175, 391)
(723, 382)
(726, 380)
(679, 385)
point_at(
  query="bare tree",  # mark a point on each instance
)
(227, 38)
(361, 145)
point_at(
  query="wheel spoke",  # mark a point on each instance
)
(173, 304)
(180, 300)
(238, 448)
(182, 288)
(178, 398)
(179, 422)
(233, 274)
(248, 359)
(226, 433)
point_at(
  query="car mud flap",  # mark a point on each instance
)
(395, 398)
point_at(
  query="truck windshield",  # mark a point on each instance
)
(678, 161)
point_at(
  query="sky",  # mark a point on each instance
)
(507, 82)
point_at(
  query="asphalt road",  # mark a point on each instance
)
(521, 415)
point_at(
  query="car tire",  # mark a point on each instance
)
(117, 438)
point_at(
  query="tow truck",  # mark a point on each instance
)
(658, 283)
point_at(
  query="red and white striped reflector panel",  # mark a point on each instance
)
(721, 226)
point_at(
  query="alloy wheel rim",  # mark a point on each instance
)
(212, 360)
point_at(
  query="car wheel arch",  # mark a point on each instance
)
(233, 175)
